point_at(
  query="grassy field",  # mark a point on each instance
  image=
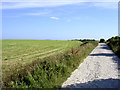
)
(18, 48)
(17, 53)
(41, 63)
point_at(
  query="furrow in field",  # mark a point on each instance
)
(46, 55)
(43, 53)
(30, 53)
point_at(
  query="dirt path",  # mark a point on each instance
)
(99, 70)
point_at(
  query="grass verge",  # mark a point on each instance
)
(49, 72)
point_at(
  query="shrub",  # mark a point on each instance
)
(102, 40)
(114, 44)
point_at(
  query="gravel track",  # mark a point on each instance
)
(99, 70)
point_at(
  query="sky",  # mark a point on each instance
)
(59, 20)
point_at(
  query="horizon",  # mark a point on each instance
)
(59, 21)
(63, 39)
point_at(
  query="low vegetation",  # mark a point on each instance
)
(114, 44)
(102, 41)
(48, 72)
(84, 40)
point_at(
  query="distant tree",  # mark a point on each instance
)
(108, 40)
(102, 40)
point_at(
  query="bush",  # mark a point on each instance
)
(114, 44)
(102, 40)
(87, 40)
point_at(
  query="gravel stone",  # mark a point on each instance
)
(99, 70)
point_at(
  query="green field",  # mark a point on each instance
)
(41, 63)
(21, 52)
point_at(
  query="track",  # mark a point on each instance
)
(99, 70)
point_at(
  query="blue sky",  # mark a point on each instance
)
(59, 21)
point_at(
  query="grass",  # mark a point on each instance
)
(19, 53)
(48, 72)
(14, 48)
(22, 52)
(114, 44)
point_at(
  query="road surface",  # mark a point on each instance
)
(99, 70)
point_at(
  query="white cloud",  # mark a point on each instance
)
(15, 4)
(106, 5)
(55, 18)
(60, 0)
(37, 13)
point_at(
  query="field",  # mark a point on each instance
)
(41, 63)
(22, 52)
